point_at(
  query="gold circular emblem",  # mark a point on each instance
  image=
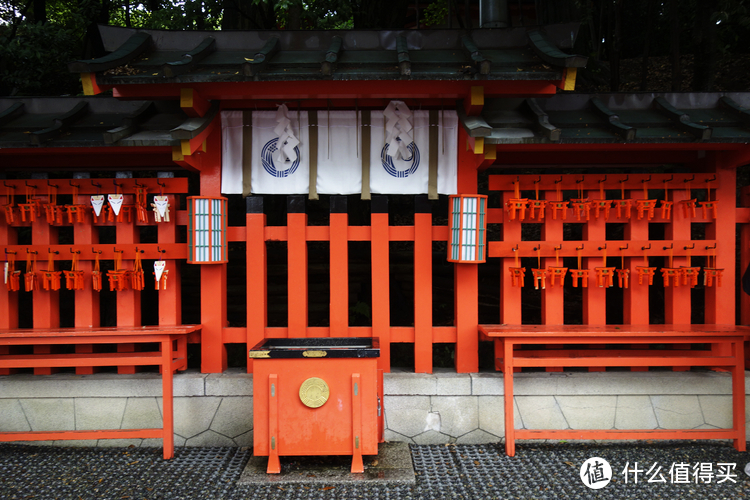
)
(314, 392)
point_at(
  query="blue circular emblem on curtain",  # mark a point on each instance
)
(266, 159)
(391, 168)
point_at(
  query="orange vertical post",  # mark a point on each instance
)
(677, 305)
(595, 297)
(720, 300)
(257, 270)
(422, 285)
(635, 297)
(466, 276)
(357, 464)
(510, 296)
(339, 267)
(381, 304)
(86, 300)
(129, 300)
(274, 466)
(297, 265)
(46, 302)
(8, 299)
(170, 300)
(167, 400)
(213, 276)
(552, 296)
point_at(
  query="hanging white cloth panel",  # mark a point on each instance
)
(270, 176)
(231, 152)
(340, 156)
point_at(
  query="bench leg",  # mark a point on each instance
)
(274, 466)
(167, 398)
(510, 432)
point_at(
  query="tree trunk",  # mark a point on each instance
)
(647, 43)
(704, 47)
(674, 42)
(247, 15)
(614, 44)
(40, 11)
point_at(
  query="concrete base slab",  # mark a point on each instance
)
(392, 465)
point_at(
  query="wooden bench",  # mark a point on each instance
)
(726, 352)
(169, 355)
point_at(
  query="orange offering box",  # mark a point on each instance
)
(316, 396)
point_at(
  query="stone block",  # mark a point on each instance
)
(155, 442)
(717, 410)
(491, 414)
(418, 384)
(209, 438)
(477, 436)
(244, 440)
(677, 412)
(394, 437)
(99, 385)
(234, 416)
(407, 415)
(193, 415)
(635, 412)
(452, 383)
(487, 384)
(458, 414)
(99, 413)
(433, 437)
(233, 382)
(141, 413)
(48, 414)
(540, 412)
(588, 412)
(13, 418)
(75, 443)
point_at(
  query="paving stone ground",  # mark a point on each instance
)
(538, 471)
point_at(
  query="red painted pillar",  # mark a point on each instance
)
(170, 300)
(466, 276)
(594, 296)
(46, 303)
(297, 265)
(86, 300)
(129, 300)
(422, 285)
(552, 296)
(213, 276)
(381, 307)
(720, 300)
(677, 305)
(635, 298)
(257, 269)
(8, 299)
(339, 267)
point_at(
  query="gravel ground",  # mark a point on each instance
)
(537, 471)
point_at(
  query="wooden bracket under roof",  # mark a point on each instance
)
(613, 120)
(190, 133)
(328, 66)
(10, 114)
(190, 59)
(60, 124)
(549, 131)
(740, 112)
(475, 126)
(404, 62)
(131, 123)
(482, 63)
(682, 120)
(253, 66)
(132, 48)
(549, 53)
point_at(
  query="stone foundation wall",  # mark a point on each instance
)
(444, 407)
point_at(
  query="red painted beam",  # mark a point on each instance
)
(338, 89)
